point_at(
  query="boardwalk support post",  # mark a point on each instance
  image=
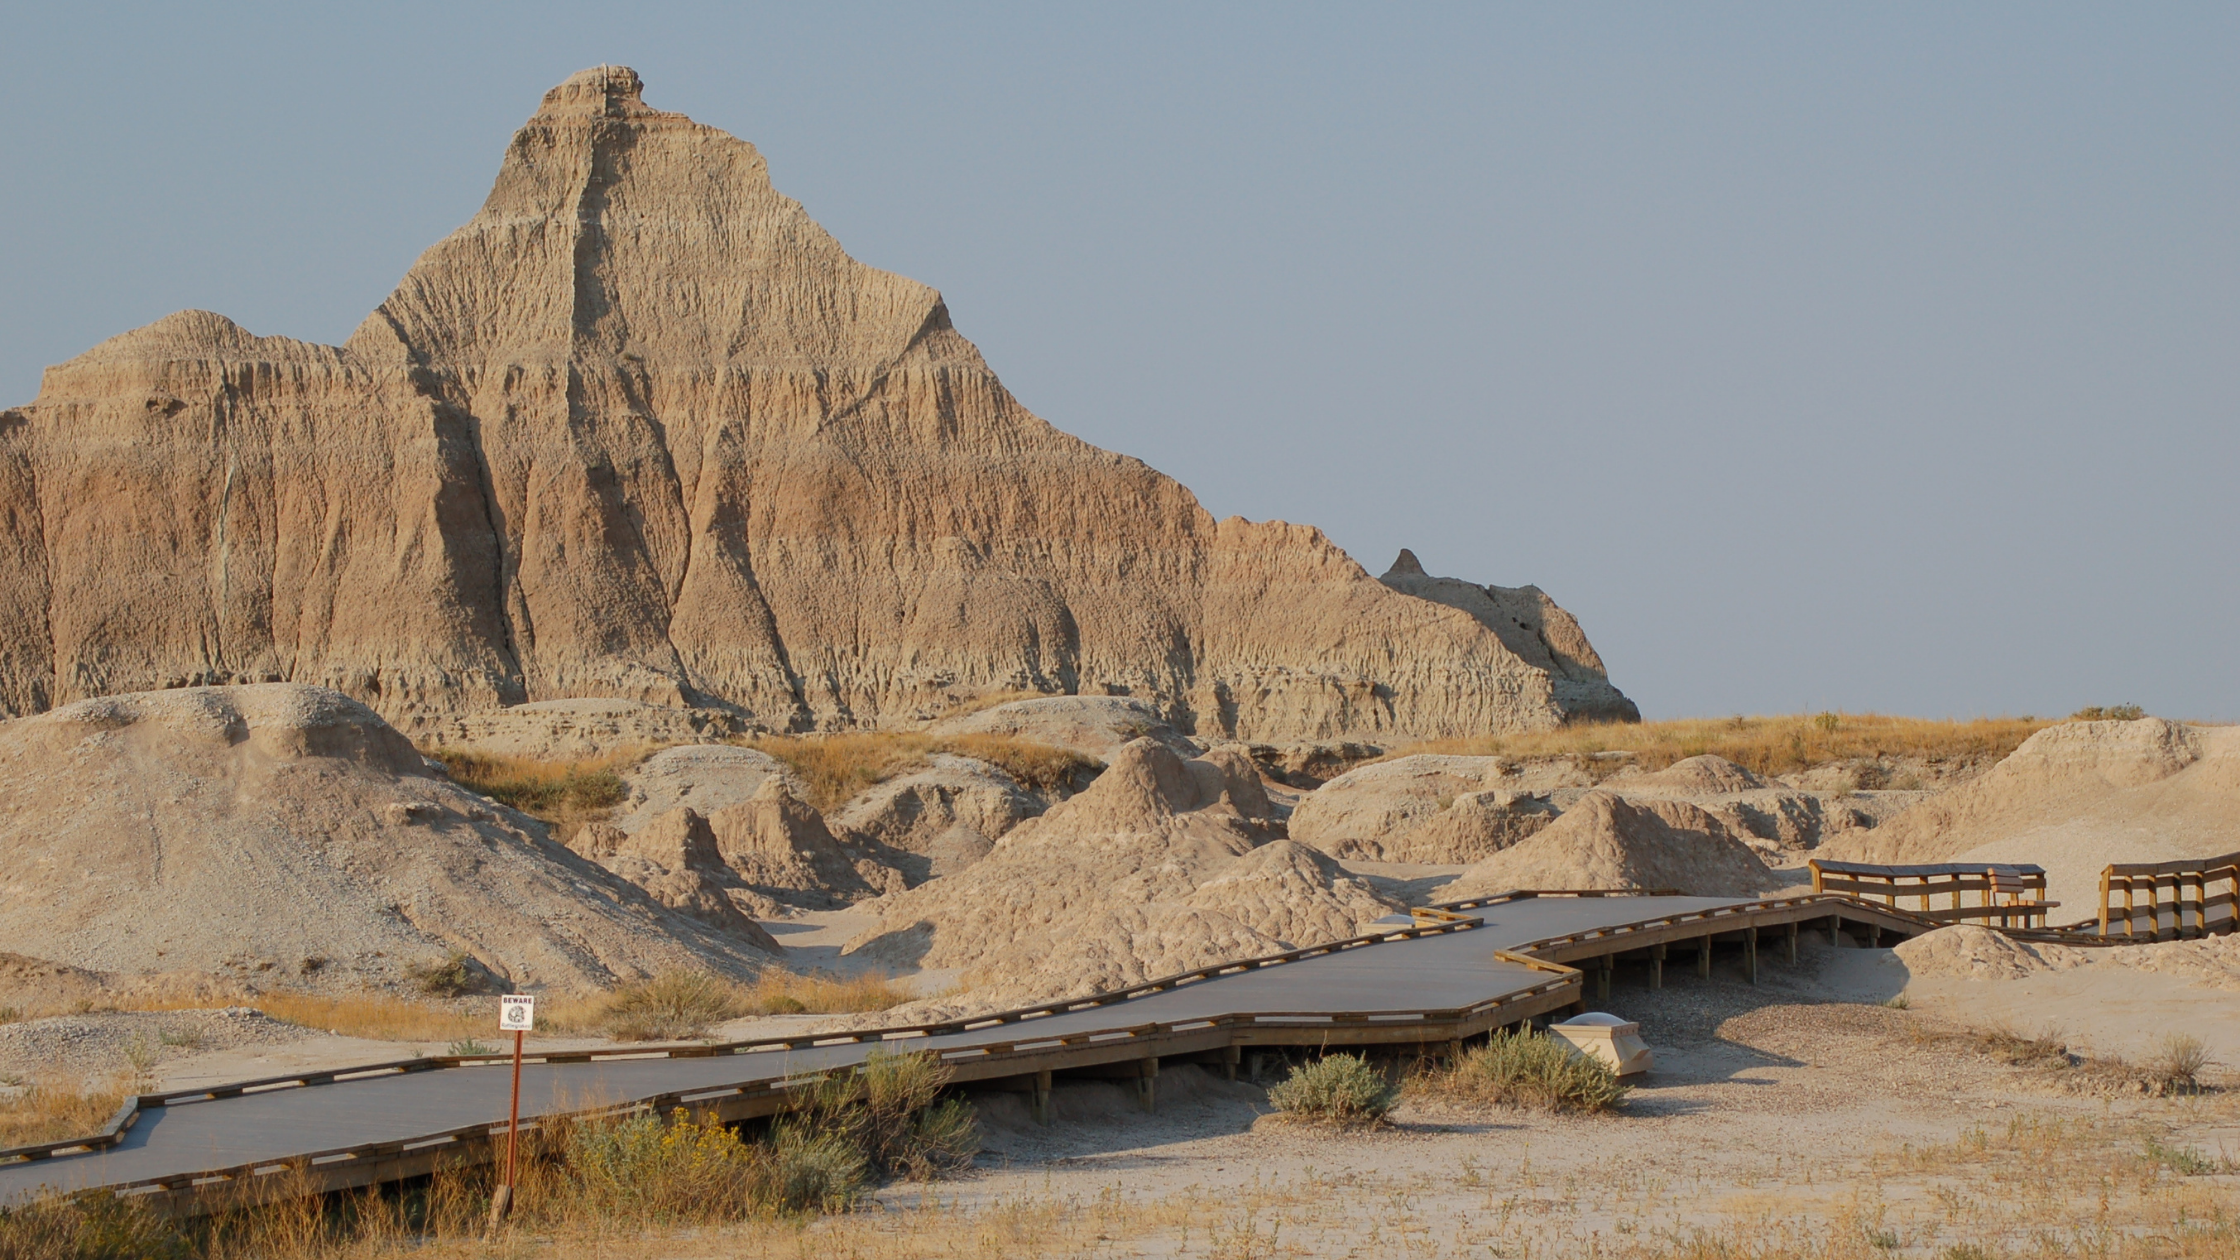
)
(1602, 968)
(1835, 929)
(1789, 944)
(1040, 1107)
(1656, 965)
(1229, 1057)
(1147, 1082)
(1750, 952)
(1703, 956)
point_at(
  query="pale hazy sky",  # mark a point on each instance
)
(1873, 356)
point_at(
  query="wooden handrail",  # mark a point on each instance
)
(2198, 874)
(2004, 891)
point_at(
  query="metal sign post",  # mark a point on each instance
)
(517, 1014)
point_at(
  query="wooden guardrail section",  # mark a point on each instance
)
(2204, 897)
(2011, 896)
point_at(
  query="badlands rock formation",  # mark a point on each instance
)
(2074, 798)
(1160, 866)
(1445, 809)
(285, 834)
(1607, 841)
(1530, 625)
(641, 430)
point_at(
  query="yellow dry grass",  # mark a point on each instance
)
(372, 1015)
(1768, 745)
(40, 1112)
(567, 793)
(682, 1005)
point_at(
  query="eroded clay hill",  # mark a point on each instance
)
(284, 835)
(642, 430)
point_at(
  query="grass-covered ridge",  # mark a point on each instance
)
(1768, 745)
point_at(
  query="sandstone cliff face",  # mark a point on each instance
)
(642, 430)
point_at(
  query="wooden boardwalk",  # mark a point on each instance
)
(1459, 971)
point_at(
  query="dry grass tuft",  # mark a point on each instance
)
(1039, 767)
(42, 1113)
(1526, 1069)
(374, 1016)
(565, 793)
(682, 1005)
(1768, 745)
(837, 767)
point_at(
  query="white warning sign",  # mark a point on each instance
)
(517, 1012)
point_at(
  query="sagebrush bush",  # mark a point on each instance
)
(672, 1006)
(1341, 1088)
(2177, 1063)
(665, 1171)
(1531, 1069)
(891, 1111)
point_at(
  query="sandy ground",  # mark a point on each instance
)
(1801, 1099)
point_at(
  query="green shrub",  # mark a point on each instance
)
(670, 1007)
(1340, 1088)
(2110, 713)
(1532, 1069)
(891, 1110)
(681, 1169)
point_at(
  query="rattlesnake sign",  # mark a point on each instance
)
(517, 1012)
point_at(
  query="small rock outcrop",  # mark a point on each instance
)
(702, 778)
(1606, 841)
(1529, 624)
(1161, 865)
(782, 848)
(912, 811)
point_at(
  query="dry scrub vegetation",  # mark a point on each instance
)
(1768, 745)
(567, 793)
(682, 1005)
(39, 1112)
(623, 1178)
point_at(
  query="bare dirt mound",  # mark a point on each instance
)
(1420, 808)
(1607, 841)
(1160, 866)
(912, 811)
(286, 833)
(2074, 798)
(1093, 726)
(703, 779)
(1704, 774)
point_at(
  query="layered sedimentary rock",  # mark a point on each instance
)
(642, 430)
(1532, 626)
